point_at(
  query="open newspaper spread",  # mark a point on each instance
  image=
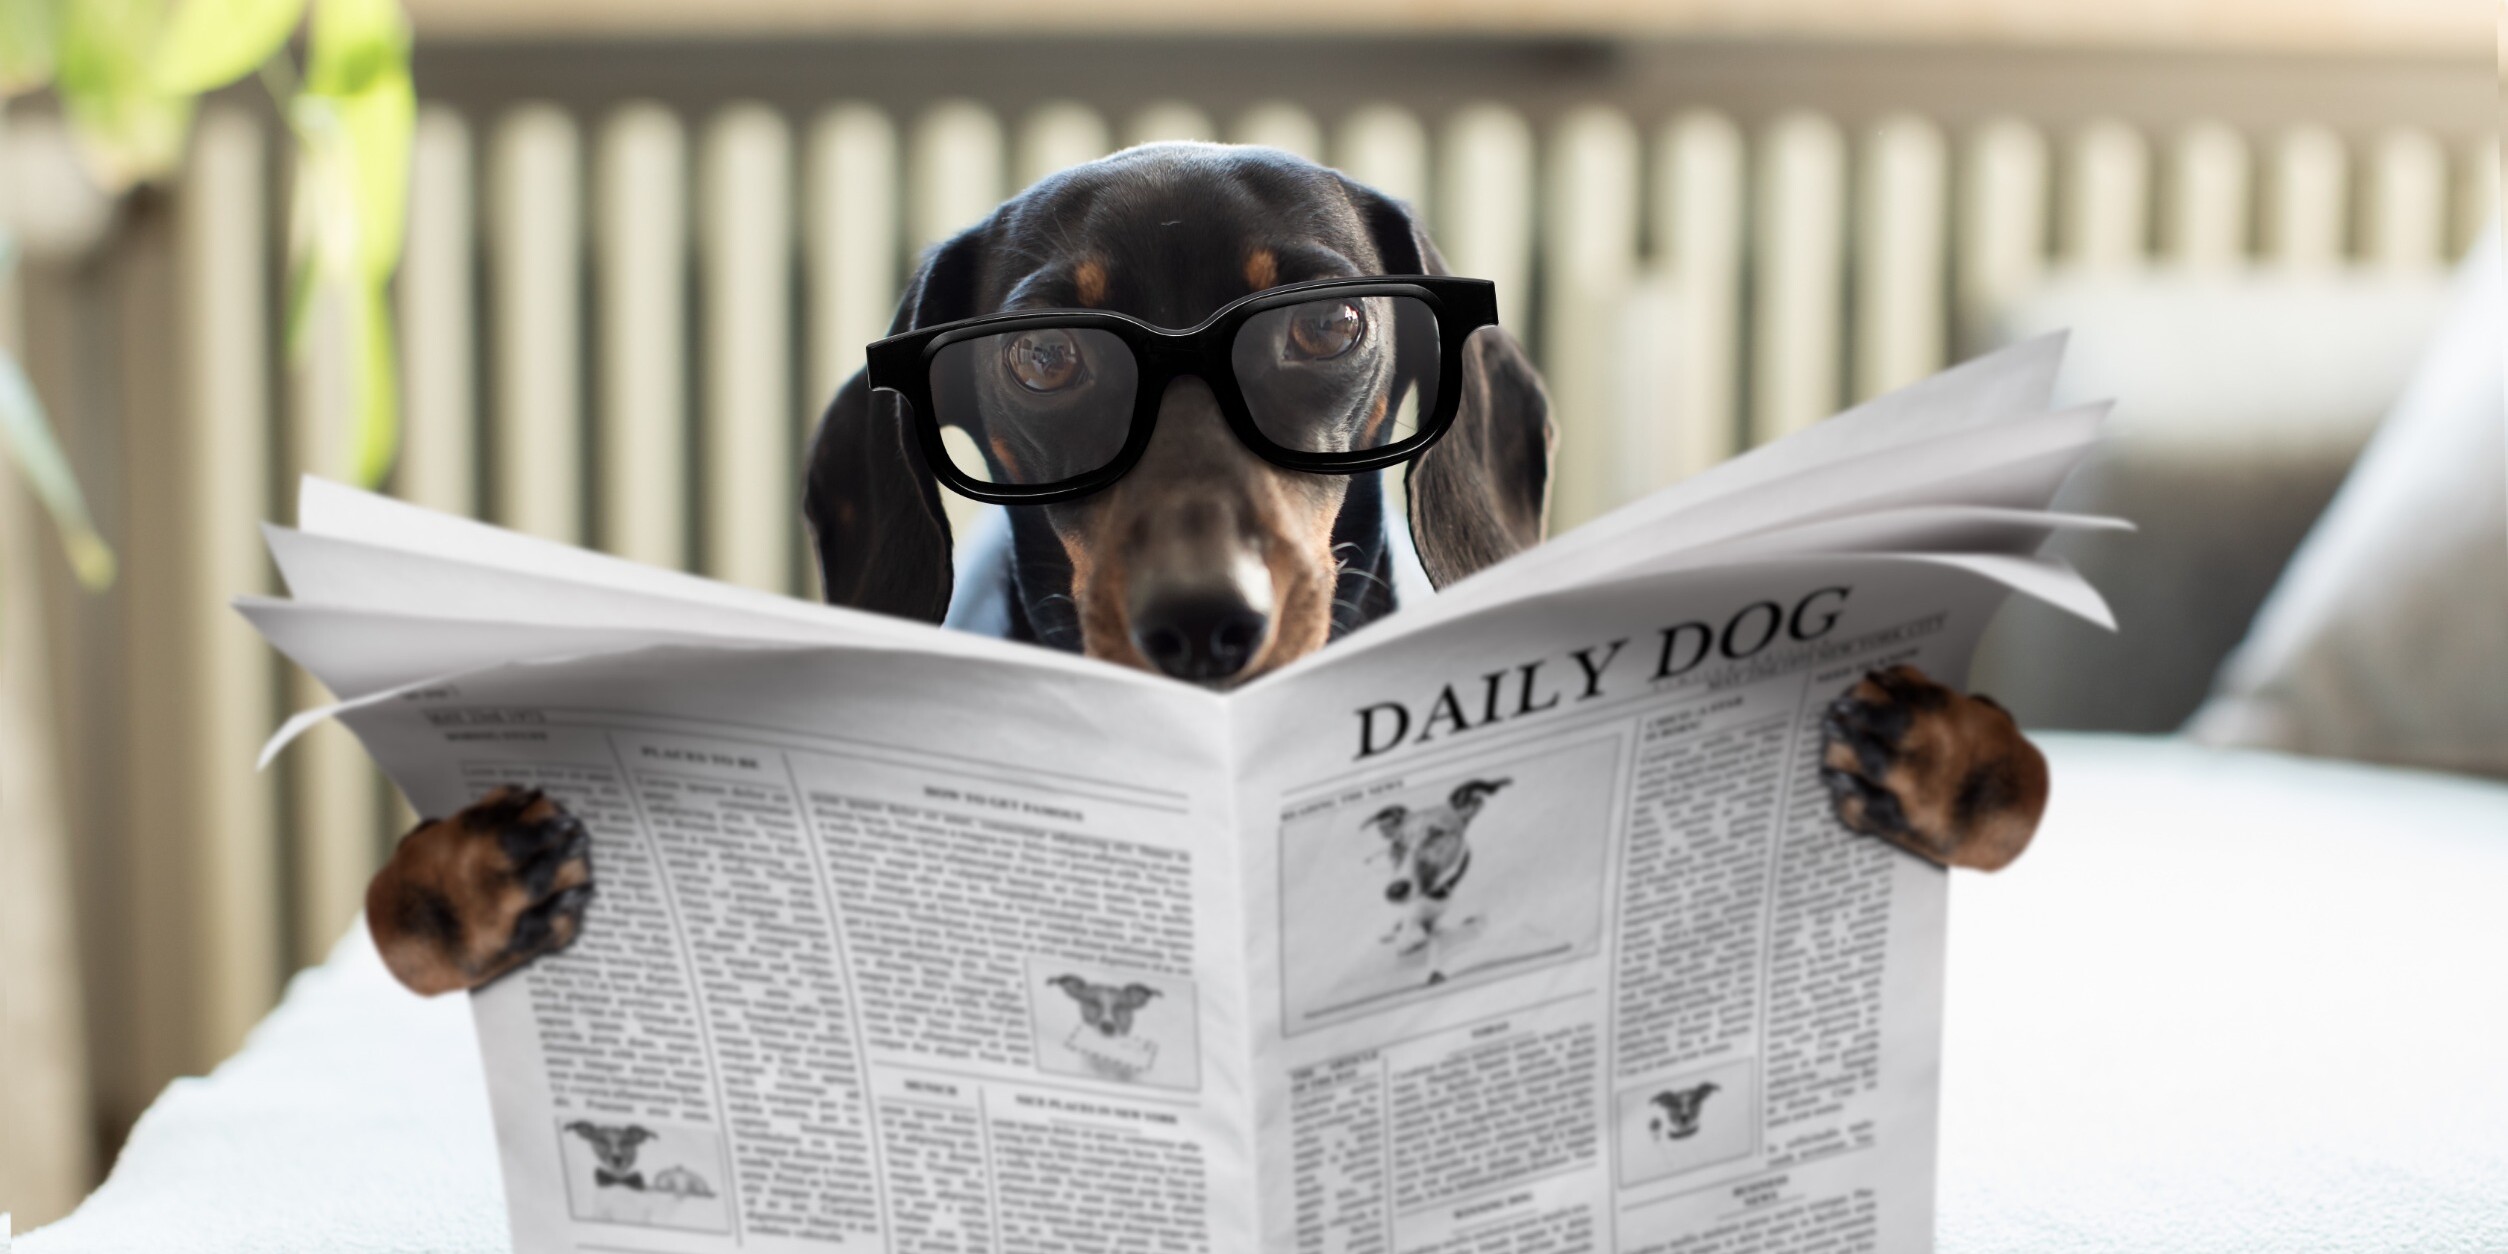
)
(907, 940)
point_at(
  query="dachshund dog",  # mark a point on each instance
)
(1205, 561)
(1429, 856)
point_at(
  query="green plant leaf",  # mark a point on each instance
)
(210, 43)
(28, 439)
(378, 389)
(29, 31)
(380, 124)
(301, 275)
(129, 130)
(26, 435)
(355, 118)
(357, 61)
(355, 42)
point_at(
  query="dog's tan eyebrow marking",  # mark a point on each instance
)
(1262, 269)
(1089, 279)
(1001, 449)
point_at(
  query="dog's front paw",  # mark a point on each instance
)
(467, 899)
(1947, 777)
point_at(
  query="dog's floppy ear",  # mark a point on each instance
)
(874, 508)
(1482, 492)
(1467, 795)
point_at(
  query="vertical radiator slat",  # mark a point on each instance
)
(2407, 205)
(2107, 198)
(1281, 124)
(2002, 227)
(1799, 259)
(1162, 120)
(52, 1088)
(1484, 211)
(229, 817)
(438, 465)
(954, 178)
(1899, 321)
(751, 435)
(640, 234)
(852, 241)
(1590, 240)
(2476, 207)
(333, 791)
(1058, 135)
(2204, 218)
(1385, 147)
(535, 219)
(1699, 191)
(954, 172)
(2307, 214)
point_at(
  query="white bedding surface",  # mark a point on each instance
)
(2229, 1002)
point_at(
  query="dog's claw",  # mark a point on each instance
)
(467, 899)
(1947, 777)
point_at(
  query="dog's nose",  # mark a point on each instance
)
(1199, 637)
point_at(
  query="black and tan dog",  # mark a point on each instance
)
(1205, 560)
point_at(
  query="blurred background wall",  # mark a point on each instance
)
(647, 238)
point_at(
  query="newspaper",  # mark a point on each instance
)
(1517, 921)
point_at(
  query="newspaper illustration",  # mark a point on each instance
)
(1518, 920)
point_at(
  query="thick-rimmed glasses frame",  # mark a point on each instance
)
(903, 364)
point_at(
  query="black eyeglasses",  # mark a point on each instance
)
(1334, 377)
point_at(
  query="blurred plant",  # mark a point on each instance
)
(27, 436)
(128, 73)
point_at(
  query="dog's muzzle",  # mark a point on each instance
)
(1201, 596)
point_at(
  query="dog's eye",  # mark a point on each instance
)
(1324, 330)
(1044, 360)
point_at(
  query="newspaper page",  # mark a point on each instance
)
(1517, 922)
(864, 970)
(1556, 943)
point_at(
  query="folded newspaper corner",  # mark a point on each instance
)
(912, 940)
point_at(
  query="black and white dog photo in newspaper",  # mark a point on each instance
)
(1106, 1023)
(1680, 1110)
(1683, 1123)
(1414, 884)
(644, 1172)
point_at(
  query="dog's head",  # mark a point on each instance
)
(1105, 1007)
(614, 1144)
(1426, 845)
(1680, 1110)
(1205, 561)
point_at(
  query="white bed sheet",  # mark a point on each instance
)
(2230, 1002)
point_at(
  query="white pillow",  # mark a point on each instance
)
(2387, 637)
(2242, 399)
